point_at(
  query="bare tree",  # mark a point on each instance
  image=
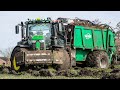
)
(7, 52)
(117, 28)
(96, 21)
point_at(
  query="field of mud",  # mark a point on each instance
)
(74, 73)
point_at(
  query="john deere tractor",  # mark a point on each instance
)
(43, 42)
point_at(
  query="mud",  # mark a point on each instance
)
(111, 73)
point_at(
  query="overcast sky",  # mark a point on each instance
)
(8, 20)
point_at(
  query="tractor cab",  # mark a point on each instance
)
(42, 34)
(35, 34)
(39, 33)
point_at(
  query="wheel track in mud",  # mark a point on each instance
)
(111, 73)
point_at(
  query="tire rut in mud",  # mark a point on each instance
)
(111, 73)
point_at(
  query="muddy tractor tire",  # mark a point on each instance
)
(65, 59)
(114, 60)
(98, 59)
(14, 66)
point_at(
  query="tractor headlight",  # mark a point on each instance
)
(33, 41)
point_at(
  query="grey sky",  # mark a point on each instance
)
(8, 20)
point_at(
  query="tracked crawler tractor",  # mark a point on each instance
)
(42, 43)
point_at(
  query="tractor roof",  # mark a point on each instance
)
(38, 20)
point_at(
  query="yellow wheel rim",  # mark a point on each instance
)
(14, 64)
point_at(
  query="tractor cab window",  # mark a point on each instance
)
(39, 29)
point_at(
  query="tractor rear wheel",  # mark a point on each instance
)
(14, 66)
(65, 59)
(98, 59)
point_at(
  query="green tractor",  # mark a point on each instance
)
(64, 43)
(43, 43)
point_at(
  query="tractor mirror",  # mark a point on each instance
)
(17, 29)
(60, 27)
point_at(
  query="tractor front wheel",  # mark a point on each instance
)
(14, 60)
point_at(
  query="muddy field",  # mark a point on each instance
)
(74, 73)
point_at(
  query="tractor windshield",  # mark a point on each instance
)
(39, 29)
(41, 32)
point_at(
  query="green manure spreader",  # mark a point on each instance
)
(93, 44)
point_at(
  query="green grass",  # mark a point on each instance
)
(28, 76)
(117, 66)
